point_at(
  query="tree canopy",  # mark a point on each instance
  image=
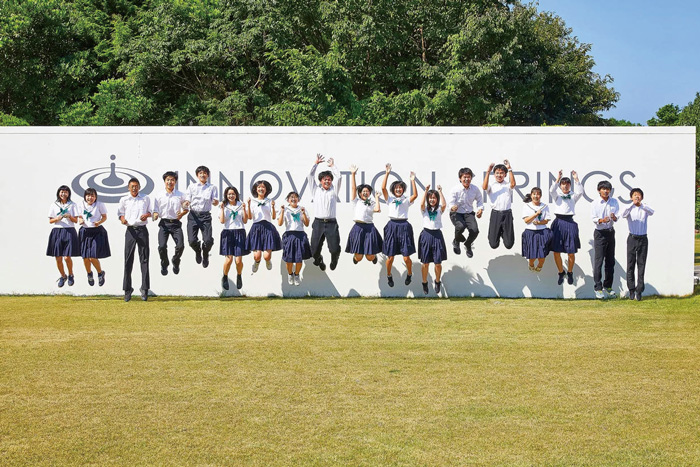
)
(283, 62)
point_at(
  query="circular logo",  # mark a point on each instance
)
(111, 183)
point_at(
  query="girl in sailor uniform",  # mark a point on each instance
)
(94, 243)
(431, 243)
(398, 232)
(233, 239)
(295, 243)
(565, 238)
(263, 236)
(364, 239)
(536, 236)
(63, 240)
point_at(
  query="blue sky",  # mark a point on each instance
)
(649, 47)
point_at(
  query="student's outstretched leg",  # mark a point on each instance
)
(239, 271)
(372, 258)
(438, 272)
(540, 264)
(227, 264)
(570, 264)
(507, 229)
(356, 258)
(96, 263)
(59, 265)
(69, 265)
(88, 265)
(297, 268)
(289, 268)
(389, 264)
(558, 262)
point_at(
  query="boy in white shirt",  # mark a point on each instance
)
(500, 193)
(637, 243)
(604, 213)
(201, 197)
(169, 206)
(134, 211)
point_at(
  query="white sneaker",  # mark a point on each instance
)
(268, 265)
(611, 293)
(290, 279)
(599, 294)
(297, 279)
(256, 266)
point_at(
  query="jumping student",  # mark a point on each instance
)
(170, 206)
(431, 243)
(500, 193)
(134, 211)
(637, 242)
(295, 243)
(398, 232)
(462, 214)
(263, 236)
(325, 198)
(63, 240)
(94, 243)
(364, 239)
(565, 237)
(233, 238)
(604, 213)
(536, 236)
(201, 196)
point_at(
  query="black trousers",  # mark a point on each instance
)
(462, 222)
(501, 226)
(637, 247)
(604, 251)
(170, 228)
(196, 222)
(324, 229)
(136, 237)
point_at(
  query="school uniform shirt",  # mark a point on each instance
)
(500, 195)
(324, 200)
(293, 219)
(432, 221)
(132, 208)
(601, 208)
(464, 198)
(233, 216)
(201, 196)
(261, 210)
(363, 212)
(398, 207)
(92, 213)
(637, 218)
(565, 204)
(168, 205)
(57, 208)
(529, 209)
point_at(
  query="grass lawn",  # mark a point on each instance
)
(349, 381)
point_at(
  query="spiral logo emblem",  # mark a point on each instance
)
(111, 183)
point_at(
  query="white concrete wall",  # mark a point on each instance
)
(35, 161)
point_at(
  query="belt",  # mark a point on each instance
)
(326, 220)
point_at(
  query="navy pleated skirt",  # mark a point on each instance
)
(565, 235)
(63, 242)
(431, 247)
(398, 238)
(295, 246)
(233, 243)
(536, 243)
(263, 236)
(94, 242)
(364, 239)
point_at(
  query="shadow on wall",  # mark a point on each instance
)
(462, 282)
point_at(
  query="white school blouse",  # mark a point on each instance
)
(565, 204)
(293, 219)
(261, 210)
(434, 222)
(132, 208)
(529, 209)
(637, 218)
(201, 196)
(168, 205)
(92, 213)
(363, 212)
(233, 216)
(464, 198)
(324, 200)
(398, 207)
(57, 208)
(500, 195)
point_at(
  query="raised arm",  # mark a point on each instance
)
(485, 185)
(424, 197)
(385, 193)
(510, 173)
(578, 188)
(443, 201)
(280, 221)
(222, 214)
(312, 175)
(336, 175)
(377, 206)
(353, 184)
(553, 188)
(414, 188)
(304, 217)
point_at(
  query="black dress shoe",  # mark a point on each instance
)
(408, 279)
(144, 296)
(239, 282)
(127, 295)
(425, 288)
(390, 280)
(455, 247)
(224, 282)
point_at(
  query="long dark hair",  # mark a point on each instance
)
(528, 197)
(428, 207)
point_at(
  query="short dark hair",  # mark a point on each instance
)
(90, 191)
(565, 180)
(528, 197)
(362, 187)
(637, 190)
(202, 168)
(133, 179)
(62, 188)
(397, 183)
(235, 191)
(170, 173)
(500, 167)
(604, 184)
(325, 173)
(265, 183)
(292, 193)
(463, 171)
